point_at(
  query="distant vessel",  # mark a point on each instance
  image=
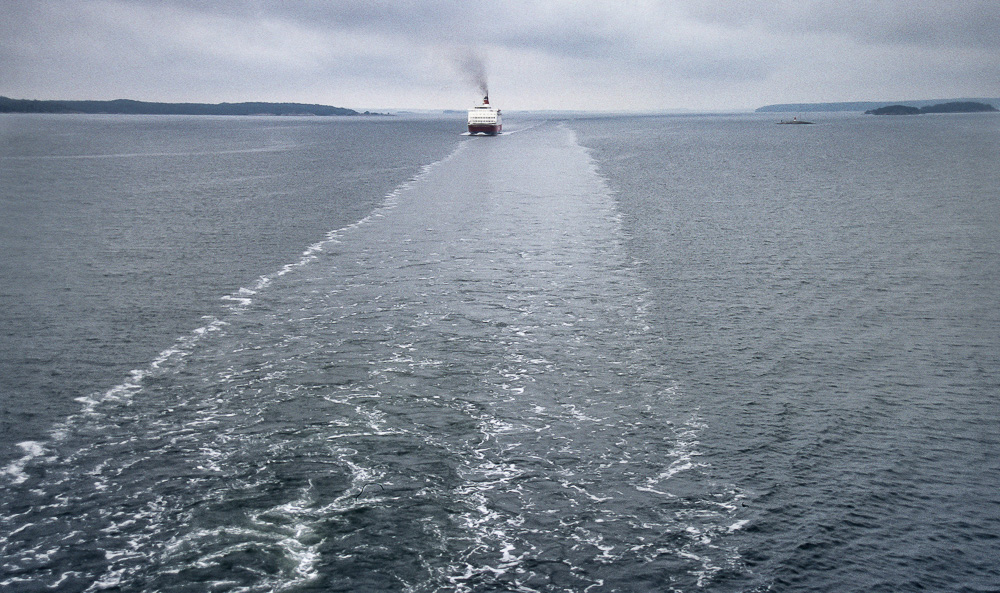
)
(794, 120)
(485, 119)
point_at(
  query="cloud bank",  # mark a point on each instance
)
(561, 54)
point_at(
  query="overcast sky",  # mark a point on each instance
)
(556, 54)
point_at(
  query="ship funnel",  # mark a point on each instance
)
(486, 100)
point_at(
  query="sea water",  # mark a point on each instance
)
(605, 354)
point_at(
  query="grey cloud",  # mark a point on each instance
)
(599, 51)
(972, 23)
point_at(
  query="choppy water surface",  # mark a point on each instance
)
(458, 392)
(595, 355)
(119, 234)
(829, 295)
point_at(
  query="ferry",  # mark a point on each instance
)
(485, 119)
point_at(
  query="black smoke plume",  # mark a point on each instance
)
(473, 67)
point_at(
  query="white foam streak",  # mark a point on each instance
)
(242, 298)
(237, 302)
(15, 469)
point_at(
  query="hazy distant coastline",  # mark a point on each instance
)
(860, 105)
(130, 107)
(956, 107)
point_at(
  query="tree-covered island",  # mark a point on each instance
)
(130, 107)
(954, 107)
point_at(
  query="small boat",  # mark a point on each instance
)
(485, 119)
(794, 120)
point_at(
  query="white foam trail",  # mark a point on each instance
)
(738, 525)
(237, 302)
(243, 297)
(15, 469)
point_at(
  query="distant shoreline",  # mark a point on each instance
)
(131, 107)
(956, 107)
(861, 105)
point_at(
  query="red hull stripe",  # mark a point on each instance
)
(484, 129)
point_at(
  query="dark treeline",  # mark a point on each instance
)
(958, 107)
(953, 107)
(130, 107)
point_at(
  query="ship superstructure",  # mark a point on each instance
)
(485, 119)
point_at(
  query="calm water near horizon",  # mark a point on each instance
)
(671, 353)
